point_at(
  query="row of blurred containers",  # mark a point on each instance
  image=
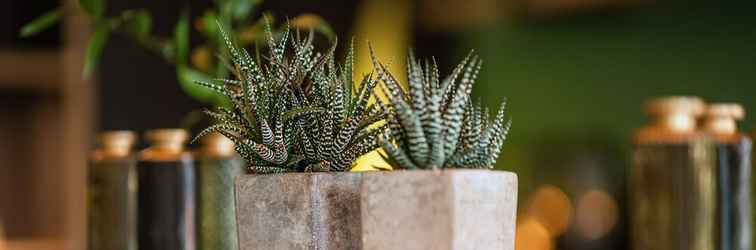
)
(688, 187)
(163, 197)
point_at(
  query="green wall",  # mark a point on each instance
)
(589, 74)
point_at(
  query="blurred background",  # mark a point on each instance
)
(574, 72)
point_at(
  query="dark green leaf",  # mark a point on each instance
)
(139, 24)
(188, 77)
(181, 39)
(41, 23)
(325, 29)
(94, 49)
(95, 8)
(210, 27)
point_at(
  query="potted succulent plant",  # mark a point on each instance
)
(299, 123)
(448, 198)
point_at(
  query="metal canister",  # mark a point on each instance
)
(673, 180)
(734, 168)
(166, 184)
(111, 193)
(217, 167)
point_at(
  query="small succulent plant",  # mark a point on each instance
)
(434, 124)
(295, 113)
(259, 122)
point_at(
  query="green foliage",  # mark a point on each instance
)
(291, 113)
(136, 24)
(434, 124)
(94, 48)
(41, 23)
(94, 8)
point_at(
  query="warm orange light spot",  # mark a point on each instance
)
(551, 207)
(202, 58)
(532, 235)
(595, 214)
(307, 21)
(2, 237)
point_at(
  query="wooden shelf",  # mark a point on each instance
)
(34, 244)
(30, 70)
(46, 136)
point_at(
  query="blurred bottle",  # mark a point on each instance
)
(112, 193)
(734, 167)
(166, 217)
(217, 166)
(672, 180)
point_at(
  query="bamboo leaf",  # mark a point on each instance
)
(181, 39)
(188, 79)
(94, 48)
(139, 24)
(41, 23)
(95, 8)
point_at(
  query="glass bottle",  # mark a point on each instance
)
(672, 180)
(217, 166)
(111, 193)
(166, 184)
(734, 168)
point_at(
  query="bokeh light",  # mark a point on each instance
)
(596, 214)
(551, 207)
(532, 235)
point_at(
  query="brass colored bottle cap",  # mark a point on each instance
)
(676, 105)
(217, 145)
(117, 139)
(164, 136)
(116, 144)
(673, 120)
(721, 121)
(166, 144)
(726, 110)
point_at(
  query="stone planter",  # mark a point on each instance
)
(449, 209)
(298, 211)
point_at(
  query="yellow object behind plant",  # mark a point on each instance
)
(386, 24)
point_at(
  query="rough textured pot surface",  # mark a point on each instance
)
(448, 209)
(299, 211)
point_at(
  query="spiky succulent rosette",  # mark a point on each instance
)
(260, 122)
(434, 124)
(295, 112)
(333, 139)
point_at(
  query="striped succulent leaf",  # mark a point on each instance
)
(296, 110)
(260, 122)
(334, 139)
(434, 124)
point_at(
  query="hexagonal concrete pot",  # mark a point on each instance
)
(440, 210)
(298, 211)
(419, 209)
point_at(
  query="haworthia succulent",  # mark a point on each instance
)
(433, 124)
(297, 112)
